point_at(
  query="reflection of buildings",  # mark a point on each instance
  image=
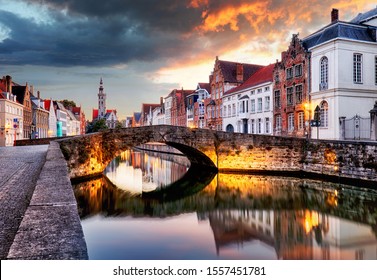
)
(139, 172)
(299, 234)
(242, 226)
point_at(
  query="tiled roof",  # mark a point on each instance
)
(339, 29)
(363, 17)
(263, 75)
(95, 113)
(229, 70)
(205, 86)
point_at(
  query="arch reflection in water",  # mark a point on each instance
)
(234, 217)
(137, 172)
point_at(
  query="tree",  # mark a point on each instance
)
(69, 104)
(99, 125)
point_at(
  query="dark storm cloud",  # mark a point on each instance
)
(88, 35)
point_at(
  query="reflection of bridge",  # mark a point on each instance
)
(88, 155)
(298, 219)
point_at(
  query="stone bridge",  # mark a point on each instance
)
(88, 155)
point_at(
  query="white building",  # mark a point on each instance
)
(203, 91)
(11, 119)
(248, 107)
(344, 76)
(52, 129)
(168, 105)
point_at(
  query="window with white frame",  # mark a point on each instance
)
(260, 104)
(252, 126)
(252, 92)
(252, 105)
(266, 88)
(267, 103)
(229, 110)
(324, 73)
(357, 68)
(259, 128)
(301, 120)
(233, 109)
(291, 122)
(225, 111)
(278, 123)
(324, 114)
(267, 125)
(259, 90)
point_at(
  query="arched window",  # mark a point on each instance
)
(324, 114)
(229, 128)
(324, 73)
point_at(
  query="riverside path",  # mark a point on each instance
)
(19, 171)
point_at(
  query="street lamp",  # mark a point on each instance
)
(307, 121)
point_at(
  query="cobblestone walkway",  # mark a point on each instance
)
(19, 171)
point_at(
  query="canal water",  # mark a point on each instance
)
(156, 206)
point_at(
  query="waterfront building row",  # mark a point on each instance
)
(324, 86)
(25, 115)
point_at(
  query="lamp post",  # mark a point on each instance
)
(307, 121)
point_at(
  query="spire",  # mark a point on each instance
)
(101, 100)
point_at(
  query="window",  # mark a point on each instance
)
(225, 111)
(289, 73)
(266, 88)
(260, 105)
(291, 122)
(267, 125)
(267, 103)
(298, 70)
(278, 124)
(375, 70)
(259, 126)
(357, 68)
(290, 96)
(252, 126)
(324, 112)
(301, 120)
(229, 110)
(253, 105)
(233, 109)
(252, 92)
(259, 90)
(277, 77)
(298, 91)
(324, 73)
(277, 98)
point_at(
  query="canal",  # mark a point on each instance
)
(156, 206)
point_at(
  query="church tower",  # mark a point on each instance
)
(101, 101)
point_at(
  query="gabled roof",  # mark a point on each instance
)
(229, 70)
(262, 76)
(205, 86)
(363, 17)
(95, 113)
(137, 116)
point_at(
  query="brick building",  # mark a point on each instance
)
(226, 75)
(291, 91)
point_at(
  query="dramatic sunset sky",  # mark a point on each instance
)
(144, 49)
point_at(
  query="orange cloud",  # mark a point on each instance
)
(198, 3)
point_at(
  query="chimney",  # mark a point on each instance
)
(239, 72)
(32, 89)
(8, 81)
(161, 101)
(38, 95)
(334, 15)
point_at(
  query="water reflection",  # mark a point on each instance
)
(233, 217)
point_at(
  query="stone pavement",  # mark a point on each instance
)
(19, 171)
(37, 206)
